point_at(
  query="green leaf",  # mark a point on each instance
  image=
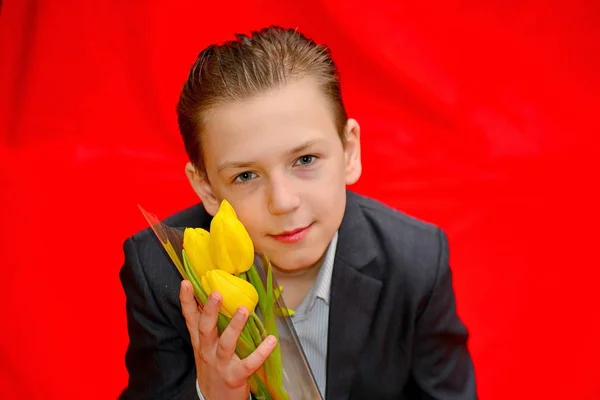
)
(284, 312)
(278, 291)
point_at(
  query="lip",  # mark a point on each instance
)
(292, 236)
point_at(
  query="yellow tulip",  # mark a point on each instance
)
(197, 249)
(236, 291)
(230, 245)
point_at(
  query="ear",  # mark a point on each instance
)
(352, 151)
(202, 187)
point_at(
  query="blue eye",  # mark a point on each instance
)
(306, 160)
(245, 177)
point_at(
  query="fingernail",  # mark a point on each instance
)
(241, 313)
(270, 340)
(214, 298)
(183, 286)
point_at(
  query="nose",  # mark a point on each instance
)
(282, 197)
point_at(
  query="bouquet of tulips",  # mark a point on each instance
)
(224, 260)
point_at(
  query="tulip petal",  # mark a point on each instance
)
(196, 245)
(230, 246)
(236, 292)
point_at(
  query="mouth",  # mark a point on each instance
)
(292, 236)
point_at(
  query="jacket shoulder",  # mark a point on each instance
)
(409, 249)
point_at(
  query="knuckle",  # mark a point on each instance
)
(247, 368)
(203, 329)
(222, 346)
(236, 326)
(185, 311)
(202, 336)
(231, 381)
(234, 329)
(210, 308)
(262, 352)
(206, 317)
(188, 325)
(203, 357)
(185, 301)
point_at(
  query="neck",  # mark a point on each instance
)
(296, 283)
(309, 272)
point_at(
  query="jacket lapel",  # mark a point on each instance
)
(353, 300)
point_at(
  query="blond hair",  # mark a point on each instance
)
(247, 66)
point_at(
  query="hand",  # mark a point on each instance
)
(221, 374)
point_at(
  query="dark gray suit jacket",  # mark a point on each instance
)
(393, 328)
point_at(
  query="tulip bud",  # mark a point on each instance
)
(236, 291)
(230, 245)
(197, 249)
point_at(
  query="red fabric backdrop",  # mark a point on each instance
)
(478, 116)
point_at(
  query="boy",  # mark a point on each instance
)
(264, 125)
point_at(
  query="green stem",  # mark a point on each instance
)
(259, 326)
(259, 334)
(273, 366)
(256, 281)
(257, 329)
(258, 388)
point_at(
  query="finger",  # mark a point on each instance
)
(231, 334)
(207, 324)
(250, 364)
(190, 311)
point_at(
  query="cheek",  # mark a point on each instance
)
(249, 212)
(326, 199)
(332, 181)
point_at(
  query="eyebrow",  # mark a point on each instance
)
(246, 164)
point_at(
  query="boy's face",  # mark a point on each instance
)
(278, 159)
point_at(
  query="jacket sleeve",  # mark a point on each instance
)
(159, 357)
(442, 368)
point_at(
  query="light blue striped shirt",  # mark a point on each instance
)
(311, 320)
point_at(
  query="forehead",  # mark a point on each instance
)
(268, 124)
